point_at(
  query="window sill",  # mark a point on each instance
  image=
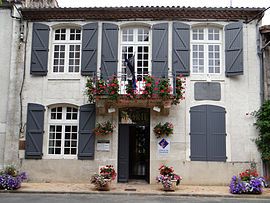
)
(207, 77)
(64, 77)
(60, 157)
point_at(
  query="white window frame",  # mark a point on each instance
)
(63, 122)
(67, 42)
(205, 42)
(135, 44)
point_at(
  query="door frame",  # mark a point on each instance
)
(125, 157)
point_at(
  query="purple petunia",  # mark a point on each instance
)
(254, 186)
(9, 182)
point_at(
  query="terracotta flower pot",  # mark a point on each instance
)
(105, 187)
(172, 188)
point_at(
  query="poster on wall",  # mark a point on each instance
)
(163, 147)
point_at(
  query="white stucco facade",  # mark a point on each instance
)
(9, 81)
(239, 96)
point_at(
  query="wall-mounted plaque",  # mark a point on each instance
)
(103, 145)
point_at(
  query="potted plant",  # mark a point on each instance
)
(11, 178)
(103, 129)
(100, 87)
(164, 89)
(168, 178)
(90, 90)
(163, 129)
(149, 87)
(247, 182)
(102, 181)
(179, 90)
(113, 88)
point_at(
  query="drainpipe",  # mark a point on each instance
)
(260, 54)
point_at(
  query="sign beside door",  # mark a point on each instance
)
(164, 147)
(103, 145)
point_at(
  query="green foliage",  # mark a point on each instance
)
(149, 87)
(263, 124)
(90, 90)
(164, 89)
(113, 88)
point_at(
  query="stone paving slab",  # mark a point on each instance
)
(133, 189)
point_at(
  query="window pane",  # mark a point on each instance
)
(74, 151)
(127, 35)
(74, 58)
(198, 58)
(214, 58)
(197, 34)
(58, 151)
(59, 56)
(71, 113)
(71, 140)
(67, 151)
(213, 34)
(143, 35)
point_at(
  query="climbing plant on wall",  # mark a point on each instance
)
(263, 124)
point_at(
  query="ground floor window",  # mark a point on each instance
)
(63, 131)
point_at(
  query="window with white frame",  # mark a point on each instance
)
(206, 50)
(63, 131)
(135, 45)
(66, 50)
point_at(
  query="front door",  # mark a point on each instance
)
(134, 148)
(139, 152)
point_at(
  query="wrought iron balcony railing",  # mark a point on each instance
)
(137, 86)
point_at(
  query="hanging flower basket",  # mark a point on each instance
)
(162, 130)
(104, 129)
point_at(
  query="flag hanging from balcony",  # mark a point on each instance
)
(130, 63)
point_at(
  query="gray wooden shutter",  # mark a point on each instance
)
(34, 131)
(181, 49)
(216, 133)
(207, 133)
(234, 49)
(87, 123)
(123, 153)
(160, 50)
(109, 52)
(198, 133)
(89, 49)
(40, 43)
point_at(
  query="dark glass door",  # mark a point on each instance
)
(139, 152)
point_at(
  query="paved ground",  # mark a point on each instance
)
(133, 189)
(98, 198)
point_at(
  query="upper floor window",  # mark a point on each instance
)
(135, 46)
(63, 131)
(66, 50)
(206, 50)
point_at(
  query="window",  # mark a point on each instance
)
(135, 46)
(66, 50)
(206, 50)
(63, 131)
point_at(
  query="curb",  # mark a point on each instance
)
(231, 196)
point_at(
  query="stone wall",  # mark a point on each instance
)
(5, 53)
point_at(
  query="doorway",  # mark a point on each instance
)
(134, 145)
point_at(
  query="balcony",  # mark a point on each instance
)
(139, 91)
